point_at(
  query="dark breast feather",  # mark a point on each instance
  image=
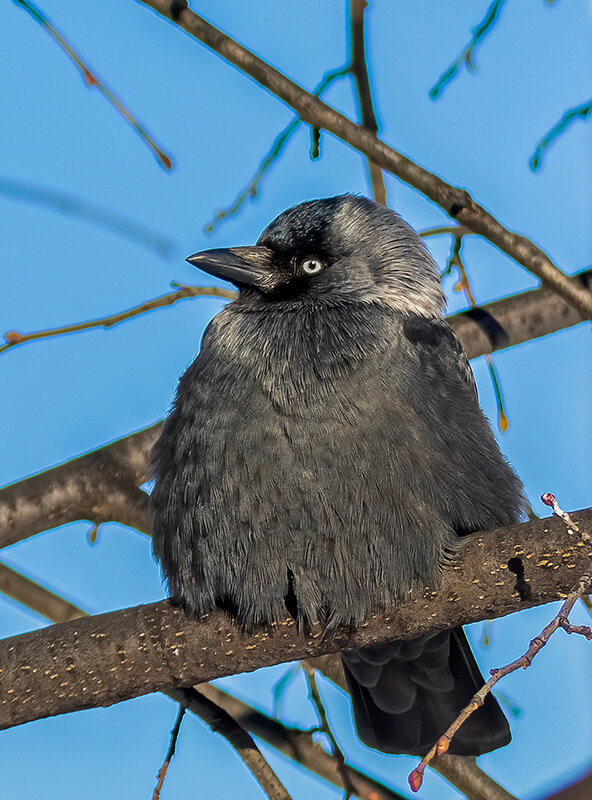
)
(324, 470)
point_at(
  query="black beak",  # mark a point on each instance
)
(243, 266)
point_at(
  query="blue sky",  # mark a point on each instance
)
(64, 396)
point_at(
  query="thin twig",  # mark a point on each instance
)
(273, 154)
(466, 56)
(67, 203)
(220, 721)
(171, 752)
(325, 727)
(463, 285)
(587, 603)
(579, 112)
(455, 230)
(281, 685)
(359, 71)
(13, 338)
(91, 80)
(560, 620)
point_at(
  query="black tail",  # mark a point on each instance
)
(405, 695)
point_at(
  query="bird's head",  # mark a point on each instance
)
(340, 249)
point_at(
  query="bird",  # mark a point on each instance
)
(325, 454)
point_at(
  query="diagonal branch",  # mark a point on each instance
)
(456, 202)
(578, 112)
(220, 721)
(36, 597)
(156, 648)
(91, 80)
(100, 486)
(359, 70)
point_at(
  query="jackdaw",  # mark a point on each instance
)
(325, 452)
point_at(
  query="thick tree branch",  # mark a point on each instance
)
(516, 319)
(102, 485)
(455, 201)
(468, 778)
(101, 660)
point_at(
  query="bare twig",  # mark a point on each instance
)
(479, 32)
(441, 230)
(456, 202)
(91, 80)
(561, 620)
(78, 207)
(579, 112)
(13, 338)
(273, 154)
(325, 727)
(359, 71)
(587, 603)
(220, 721)
(171, 752)
(463, 285)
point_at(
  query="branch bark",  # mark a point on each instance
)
(456, 202)
(101, 660)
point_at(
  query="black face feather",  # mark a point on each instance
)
(326, 449)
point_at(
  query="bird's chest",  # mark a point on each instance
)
(298, 412)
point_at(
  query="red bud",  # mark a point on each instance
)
(164, 159)
(415, 779)
(442, 746)
(13, 337)
(89, 78)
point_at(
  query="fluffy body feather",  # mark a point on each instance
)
(324, 453)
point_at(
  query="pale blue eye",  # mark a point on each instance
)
(311, 266)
